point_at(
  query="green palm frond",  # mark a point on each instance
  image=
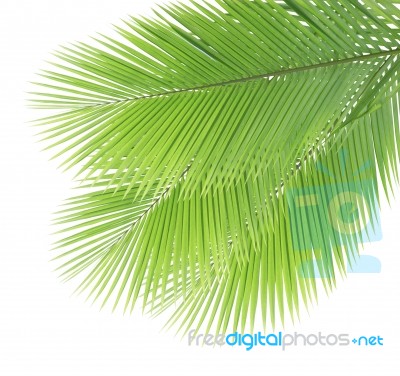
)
(191, 130)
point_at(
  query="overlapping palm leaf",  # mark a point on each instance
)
(190, 129)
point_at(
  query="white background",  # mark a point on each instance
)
(45, 331)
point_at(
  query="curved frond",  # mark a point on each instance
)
(192, 131)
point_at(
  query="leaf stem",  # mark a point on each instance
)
(263, 75)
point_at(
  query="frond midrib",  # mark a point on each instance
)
(278, 73)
